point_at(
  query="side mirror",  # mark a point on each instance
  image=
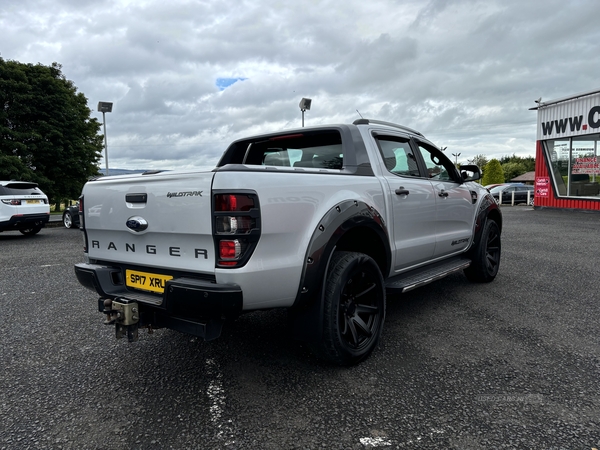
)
(470, 172)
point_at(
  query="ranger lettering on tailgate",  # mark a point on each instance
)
(151, 249)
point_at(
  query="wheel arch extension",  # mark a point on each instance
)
(351, 225)
(496, 216)
(488, 210)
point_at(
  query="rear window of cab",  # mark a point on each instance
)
(321, 149)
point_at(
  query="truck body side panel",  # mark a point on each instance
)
(292, 204)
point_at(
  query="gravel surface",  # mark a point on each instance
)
(514, 364)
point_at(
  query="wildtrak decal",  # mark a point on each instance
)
(185, 194)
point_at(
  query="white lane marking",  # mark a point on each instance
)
(216, 395)
(374, 442)
(215, 391)
(383, 442)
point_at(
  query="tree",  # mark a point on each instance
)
(512, 170)
(479, 160)
(492, 173)
(12, 168)
(46, 133)
(528, 162)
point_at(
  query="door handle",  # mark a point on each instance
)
(402, 191)
(443, 193)
(136, 198)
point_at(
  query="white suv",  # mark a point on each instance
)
(23, 207)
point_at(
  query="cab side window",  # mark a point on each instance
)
(439, 167)
(398, 156)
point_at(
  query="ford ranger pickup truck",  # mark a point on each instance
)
(322, 221)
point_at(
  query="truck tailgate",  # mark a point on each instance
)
(160, 220)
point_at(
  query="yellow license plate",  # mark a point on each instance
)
(33, 201)
(146, 281)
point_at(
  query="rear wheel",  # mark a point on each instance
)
(354, 308)
(486, 255)
(67, 220)
(30, 231)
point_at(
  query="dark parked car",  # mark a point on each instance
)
(71, 216)
(520, 192)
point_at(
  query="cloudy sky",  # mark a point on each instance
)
(189, 76)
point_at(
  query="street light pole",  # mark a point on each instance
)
(456, 155)
(105, 107)
(105, 142)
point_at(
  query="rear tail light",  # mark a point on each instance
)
(233, 202)
(19, 202)
(230, 252)
(12, 202)
(82, 225)
(236, 227)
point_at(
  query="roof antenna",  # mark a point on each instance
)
(359, 114)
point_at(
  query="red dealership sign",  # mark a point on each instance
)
(542, 187)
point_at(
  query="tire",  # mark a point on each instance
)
(68, 220)
(354, 308)
(485, 256)
(30, 231)
(531, 201)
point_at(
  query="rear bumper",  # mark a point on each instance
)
(188, 305)
(25, 221)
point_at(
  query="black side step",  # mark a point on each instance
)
(425, 275)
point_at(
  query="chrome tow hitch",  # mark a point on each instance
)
(125, 315)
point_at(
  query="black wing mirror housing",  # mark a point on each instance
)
(470, 172)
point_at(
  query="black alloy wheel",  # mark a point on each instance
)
(485, 256)
(354, 307)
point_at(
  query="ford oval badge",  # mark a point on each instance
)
(136, 223)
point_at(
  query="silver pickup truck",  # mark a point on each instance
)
(322, 221)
